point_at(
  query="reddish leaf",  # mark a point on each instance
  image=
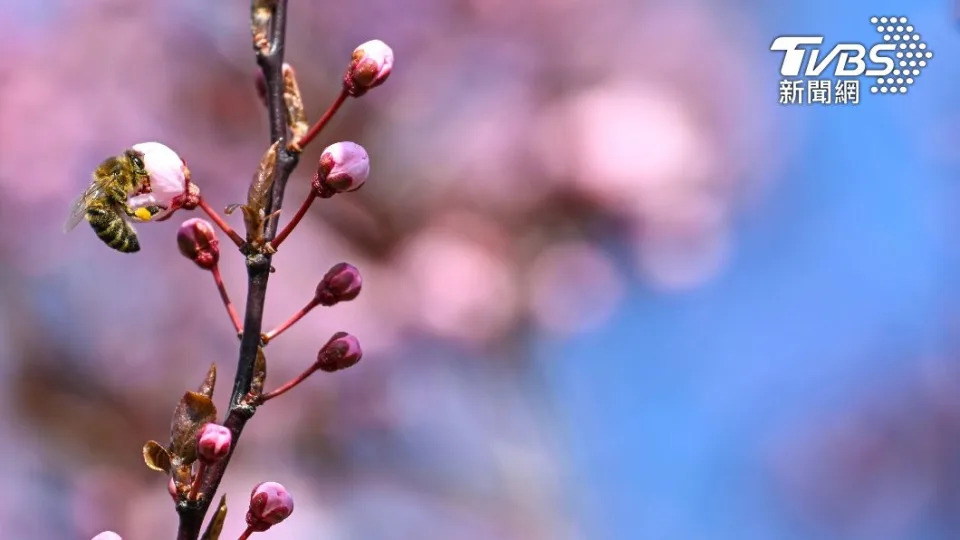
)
(192, 413)
(206, 388)
(156, 457)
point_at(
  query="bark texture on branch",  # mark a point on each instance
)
(270, 60)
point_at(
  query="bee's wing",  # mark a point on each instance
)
(79, 208)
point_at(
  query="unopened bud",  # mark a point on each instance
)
(167, 184)
(343, 166)
(107, 535)
(340, 284)
(213, 443)
(270, 503)
(370, 65)
(342, 351)
(198, 242)
(172, 488)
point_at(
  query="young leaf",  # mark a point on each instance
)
(206, 388)
(259, 374)
(254, 216)
(156, 457)
(296, 115)
(260, 23)
(182, 477)
(216, 522)
(193, 411)
(263, 179)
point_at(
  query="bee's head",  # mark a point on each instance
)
(136, 160)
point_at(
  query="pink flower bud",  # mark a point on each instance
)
(340, 284)
(107, 535)
(342, 351)
(198, 242)
(270, 503)
(370, 66)
(168, 181)
(213, 443)
(172, 488)
(343, 166)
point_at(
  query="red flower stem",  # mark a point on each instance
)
(283, 234)
(218, 279)
(266, 338)
(197, 482)
(246, 534)
(316, 128)
(288, 385)
(237, 239)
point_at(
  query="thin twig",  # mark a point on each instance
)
(218, 279)
(269, 336)
(288, 228)
(237, 239)
(288, 385)
(316, 128)
(197, 480)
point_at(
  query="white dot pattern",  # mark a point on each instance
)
(896, 29)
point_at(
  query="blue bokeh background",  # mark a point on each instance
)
(845, 276)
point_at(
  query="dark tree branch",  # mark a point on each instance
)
(192, 513)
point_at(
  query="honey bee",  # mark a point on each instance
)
(104, 203)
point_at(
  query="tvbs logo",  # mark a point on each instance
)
(849, 57)
(893, 64)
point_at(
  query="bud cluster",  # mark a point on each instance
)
(198, 448)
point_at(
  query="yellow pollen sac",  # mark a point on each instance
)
(142, 213)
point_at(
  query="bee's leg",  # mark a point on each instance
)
(142, 207)
(117, 194)
(144, 213)
(149, 211)
(139, 214)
